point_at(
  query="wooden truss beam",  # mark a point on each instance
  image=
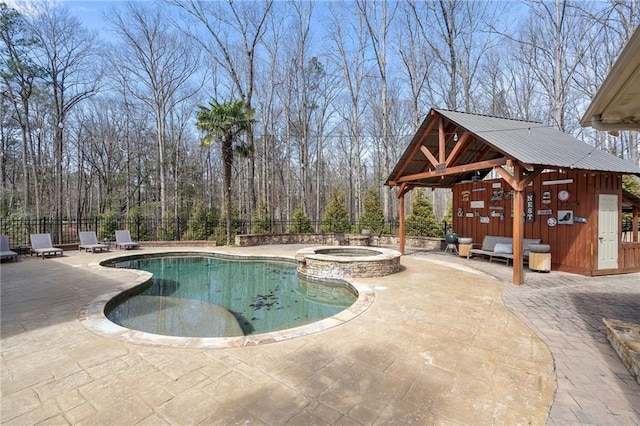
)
(453, 170)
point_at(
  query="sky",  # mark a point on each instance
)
(89, 12)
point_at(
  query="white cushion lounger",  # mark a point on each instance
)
(123, 240)
(41, 245)
(5, 251)
(89, 241)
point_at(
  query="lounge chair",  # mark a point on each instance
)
(5, 251)
(89, 241)
(123, 240)
(41, 245)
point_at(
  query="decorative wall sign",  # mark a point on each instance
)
(496, 207)
(557, 182)
(546, 197)
(498, 195)
(469, 215)
(546, 212)
(482, 188)
(496, 185)
(477, 204)
(529, 207)
(465, 195)
(552, 222)
(460, 212)
(580, 219)
(565, 217)
(496, 214)
(484, 219)
(564, 195)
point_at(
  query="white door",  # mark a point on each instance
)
(608, 231)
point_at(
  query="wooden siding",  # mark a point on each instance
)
(630, 257)
(573, 246)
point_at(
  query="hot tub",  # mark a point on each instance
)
(339, 262)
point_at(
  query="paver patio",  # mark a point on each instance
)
(438, 346)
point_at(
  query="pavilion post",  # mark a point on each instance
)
(634, 225)
(518, 226)
(401, 226)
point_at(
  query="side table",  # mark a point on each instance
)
(463, 249)
(540, 262)
(23, 249)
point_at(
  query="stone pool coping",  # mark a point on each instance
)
(92, 315)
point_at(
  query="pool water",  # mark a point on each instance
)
(203, 296)
(347, 252)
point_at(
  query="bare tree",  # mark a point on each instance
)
(68, 56)
(233, 34)
(160, 62)
(19, 78)
(351, 43)
(554, 41)
(378, 18)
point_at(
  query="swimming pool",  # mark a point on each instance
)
(205, 296)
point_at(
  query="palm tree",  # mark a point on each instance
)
(225, 122)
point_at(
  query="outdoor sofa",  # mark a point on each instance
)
(501, 248)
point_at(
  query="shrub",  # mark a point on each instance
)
(335, 217)
(421, 221)
(372, 217)
(300, 222)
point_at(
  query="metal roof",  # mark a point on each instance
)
(532, 144)
(616, 106)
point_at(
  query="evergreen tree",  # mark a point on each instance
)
(372, 217)
(336, 218)
(201, 223)
(448, 217)
(631, 184)
(421, 221)
(261, 223)
(108, 226)
(300, 222)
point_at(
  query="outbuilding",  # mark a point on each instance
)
(523, 179)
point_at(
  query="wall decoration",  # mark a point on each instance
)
(496, 185)
(546, 197)
(496, 207)
(580, 219)
(564, 195)
(552, 222)
(484, 219)
(482, 188)
(465, 195)
(460, 212)
(477, 204)
(470, 214)
(496, 214)
(500, 194)
(565, 217)
(557, 182)
(529, 207)
(546, 212)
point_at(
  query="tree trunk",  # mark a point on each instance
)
(227, 163)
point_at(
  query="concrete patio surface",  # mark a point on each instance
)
(442, 343)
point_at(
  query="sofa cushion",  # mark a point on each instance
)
(503, 248)
(528, 241)
(490, 242)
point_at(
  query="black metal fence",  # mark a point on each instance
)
(150, 229)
